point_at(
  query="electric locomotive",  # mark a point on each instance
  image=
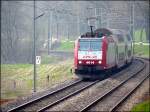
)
(104, 49)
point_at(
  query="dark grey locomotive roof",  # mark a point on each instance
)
(104, 31)
(109, 31)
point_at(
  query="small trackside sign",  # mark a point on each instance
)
(38, 60)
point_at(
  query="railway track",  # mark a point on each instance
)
(107, 89)
(54, 97)
(112, 99)
(47, 101)
(127, 95)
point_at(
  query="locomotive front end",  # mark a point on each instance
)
(88, 54)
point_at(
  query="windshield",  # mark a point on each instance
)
(90, 44)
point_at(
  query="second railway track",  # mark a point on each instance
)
(110, 100)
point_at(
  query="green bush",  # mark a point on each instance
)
(66, 46)
(137, 36)
(142, 107)
(141, 50)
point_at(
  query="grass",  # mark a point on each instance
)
(138, 37)
(47, 59)
(141, 50)
(22, 75)
(142, 107)
(66, 46)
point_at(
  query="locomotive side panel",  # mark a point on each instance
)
(104, 52)
(76, 54)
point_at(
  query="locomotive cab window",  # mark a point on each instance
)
(84, 45)
(90, 44)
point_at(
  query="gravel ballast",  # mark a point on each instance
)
(137, 96)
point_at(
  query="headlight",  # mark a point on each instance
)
(80, 62)
(99, 62)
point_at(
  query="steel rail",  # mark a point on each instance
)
(42, 97)
(112, 90)
(64, 98)
(127, 95)
(148, 59)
